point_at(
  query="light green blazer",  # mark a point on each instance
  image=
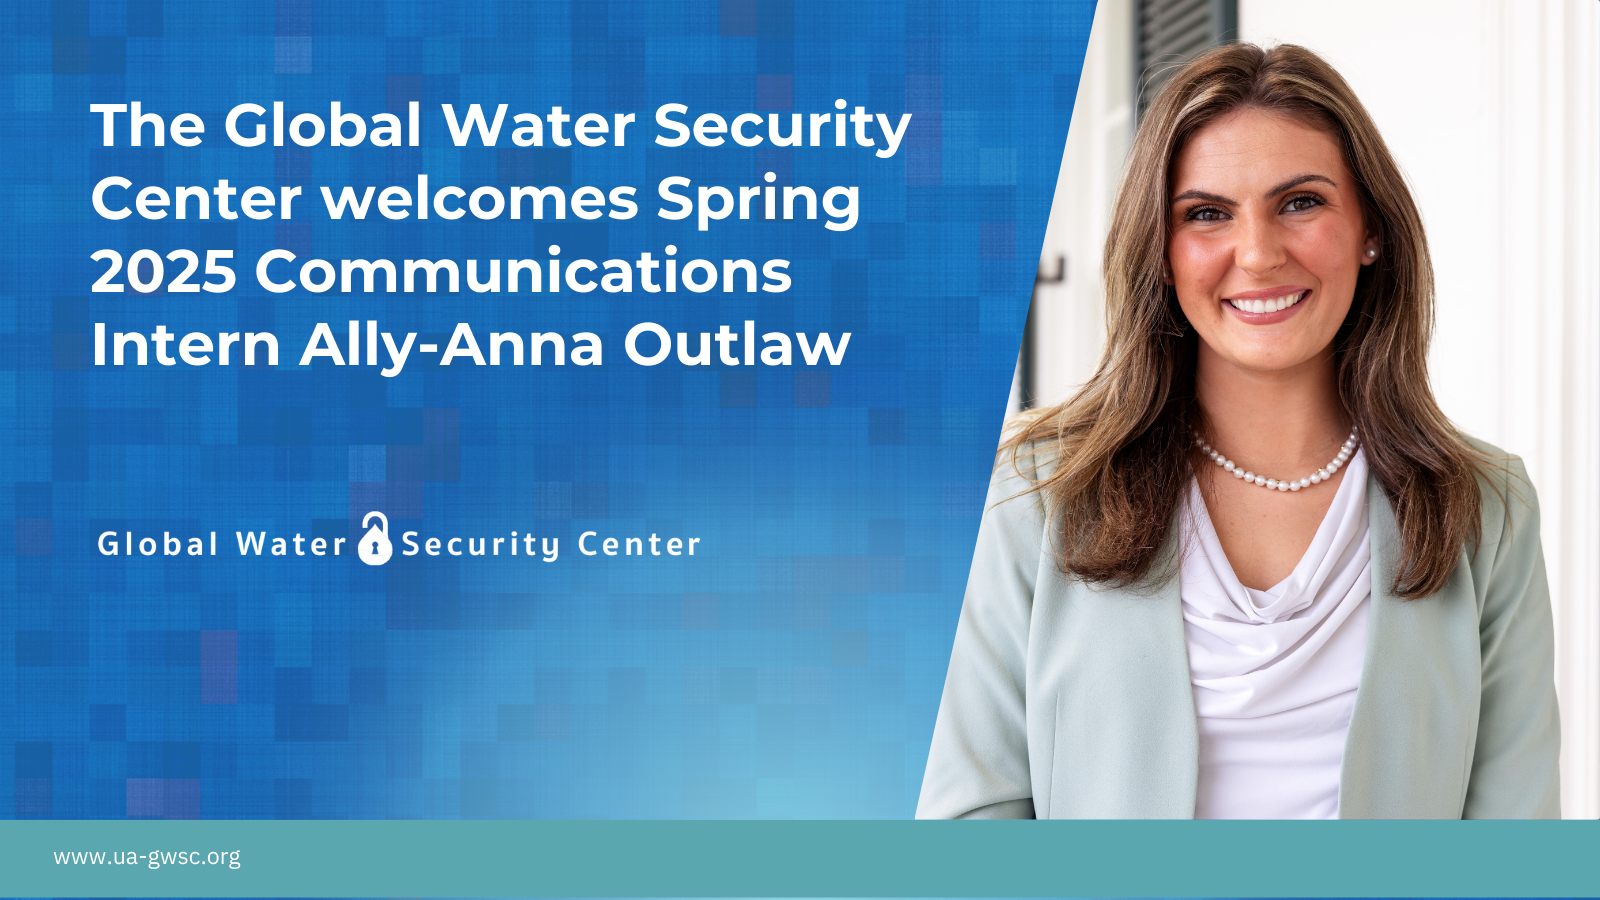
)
(1070, 701)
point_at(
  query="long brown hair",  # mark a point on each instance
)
(1112, 462)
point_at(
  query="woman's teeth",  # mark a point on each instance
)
(1266, 306)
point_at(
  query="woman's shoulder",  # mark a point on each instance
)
(1020, 469)
(1029, 449)
(1497, 467)
(1506, 491)
(1017, 502)
(1486, 449)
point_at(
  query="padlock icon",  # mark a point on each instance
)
(375, 548)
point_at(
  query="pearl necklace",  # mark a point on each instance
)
(1273, 484)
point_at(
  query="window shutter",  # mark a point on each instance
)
(1169, 33)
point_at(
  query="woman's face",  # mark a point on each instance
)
(1266, 239)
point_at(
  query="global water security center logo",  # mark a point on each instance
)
(375, 548)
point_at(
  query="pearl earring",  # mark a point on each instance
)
(1372, 254)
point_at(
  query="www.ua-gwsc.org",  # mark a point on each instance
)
(155, 859)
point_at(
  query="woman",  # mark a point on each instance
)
(1156, 625)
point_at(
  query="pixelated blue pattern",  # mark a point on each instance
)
(790, 668)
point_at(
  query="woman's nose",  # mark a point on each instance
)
(1260, 246)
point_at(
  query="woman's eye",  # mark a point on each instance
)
(1302, 203)
(1204, 214)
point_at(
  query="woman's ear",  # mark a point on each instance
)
(1369, 251)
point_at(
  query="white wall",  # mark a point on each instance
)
(1492, 109)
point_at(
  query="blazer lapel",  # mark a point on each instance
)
(1125, 739)
(1409, 748)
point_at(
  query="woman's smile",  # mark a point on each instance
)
(1268, 306)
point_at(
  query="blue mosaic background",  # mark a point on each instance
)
(791, 668)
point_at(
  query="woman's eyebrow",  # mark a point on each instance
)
(1202, 195)
(1296, 182)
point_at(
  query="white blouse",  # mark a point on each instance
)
(1275, 671)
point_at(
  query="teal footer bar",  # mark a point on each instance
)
(798, 859)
